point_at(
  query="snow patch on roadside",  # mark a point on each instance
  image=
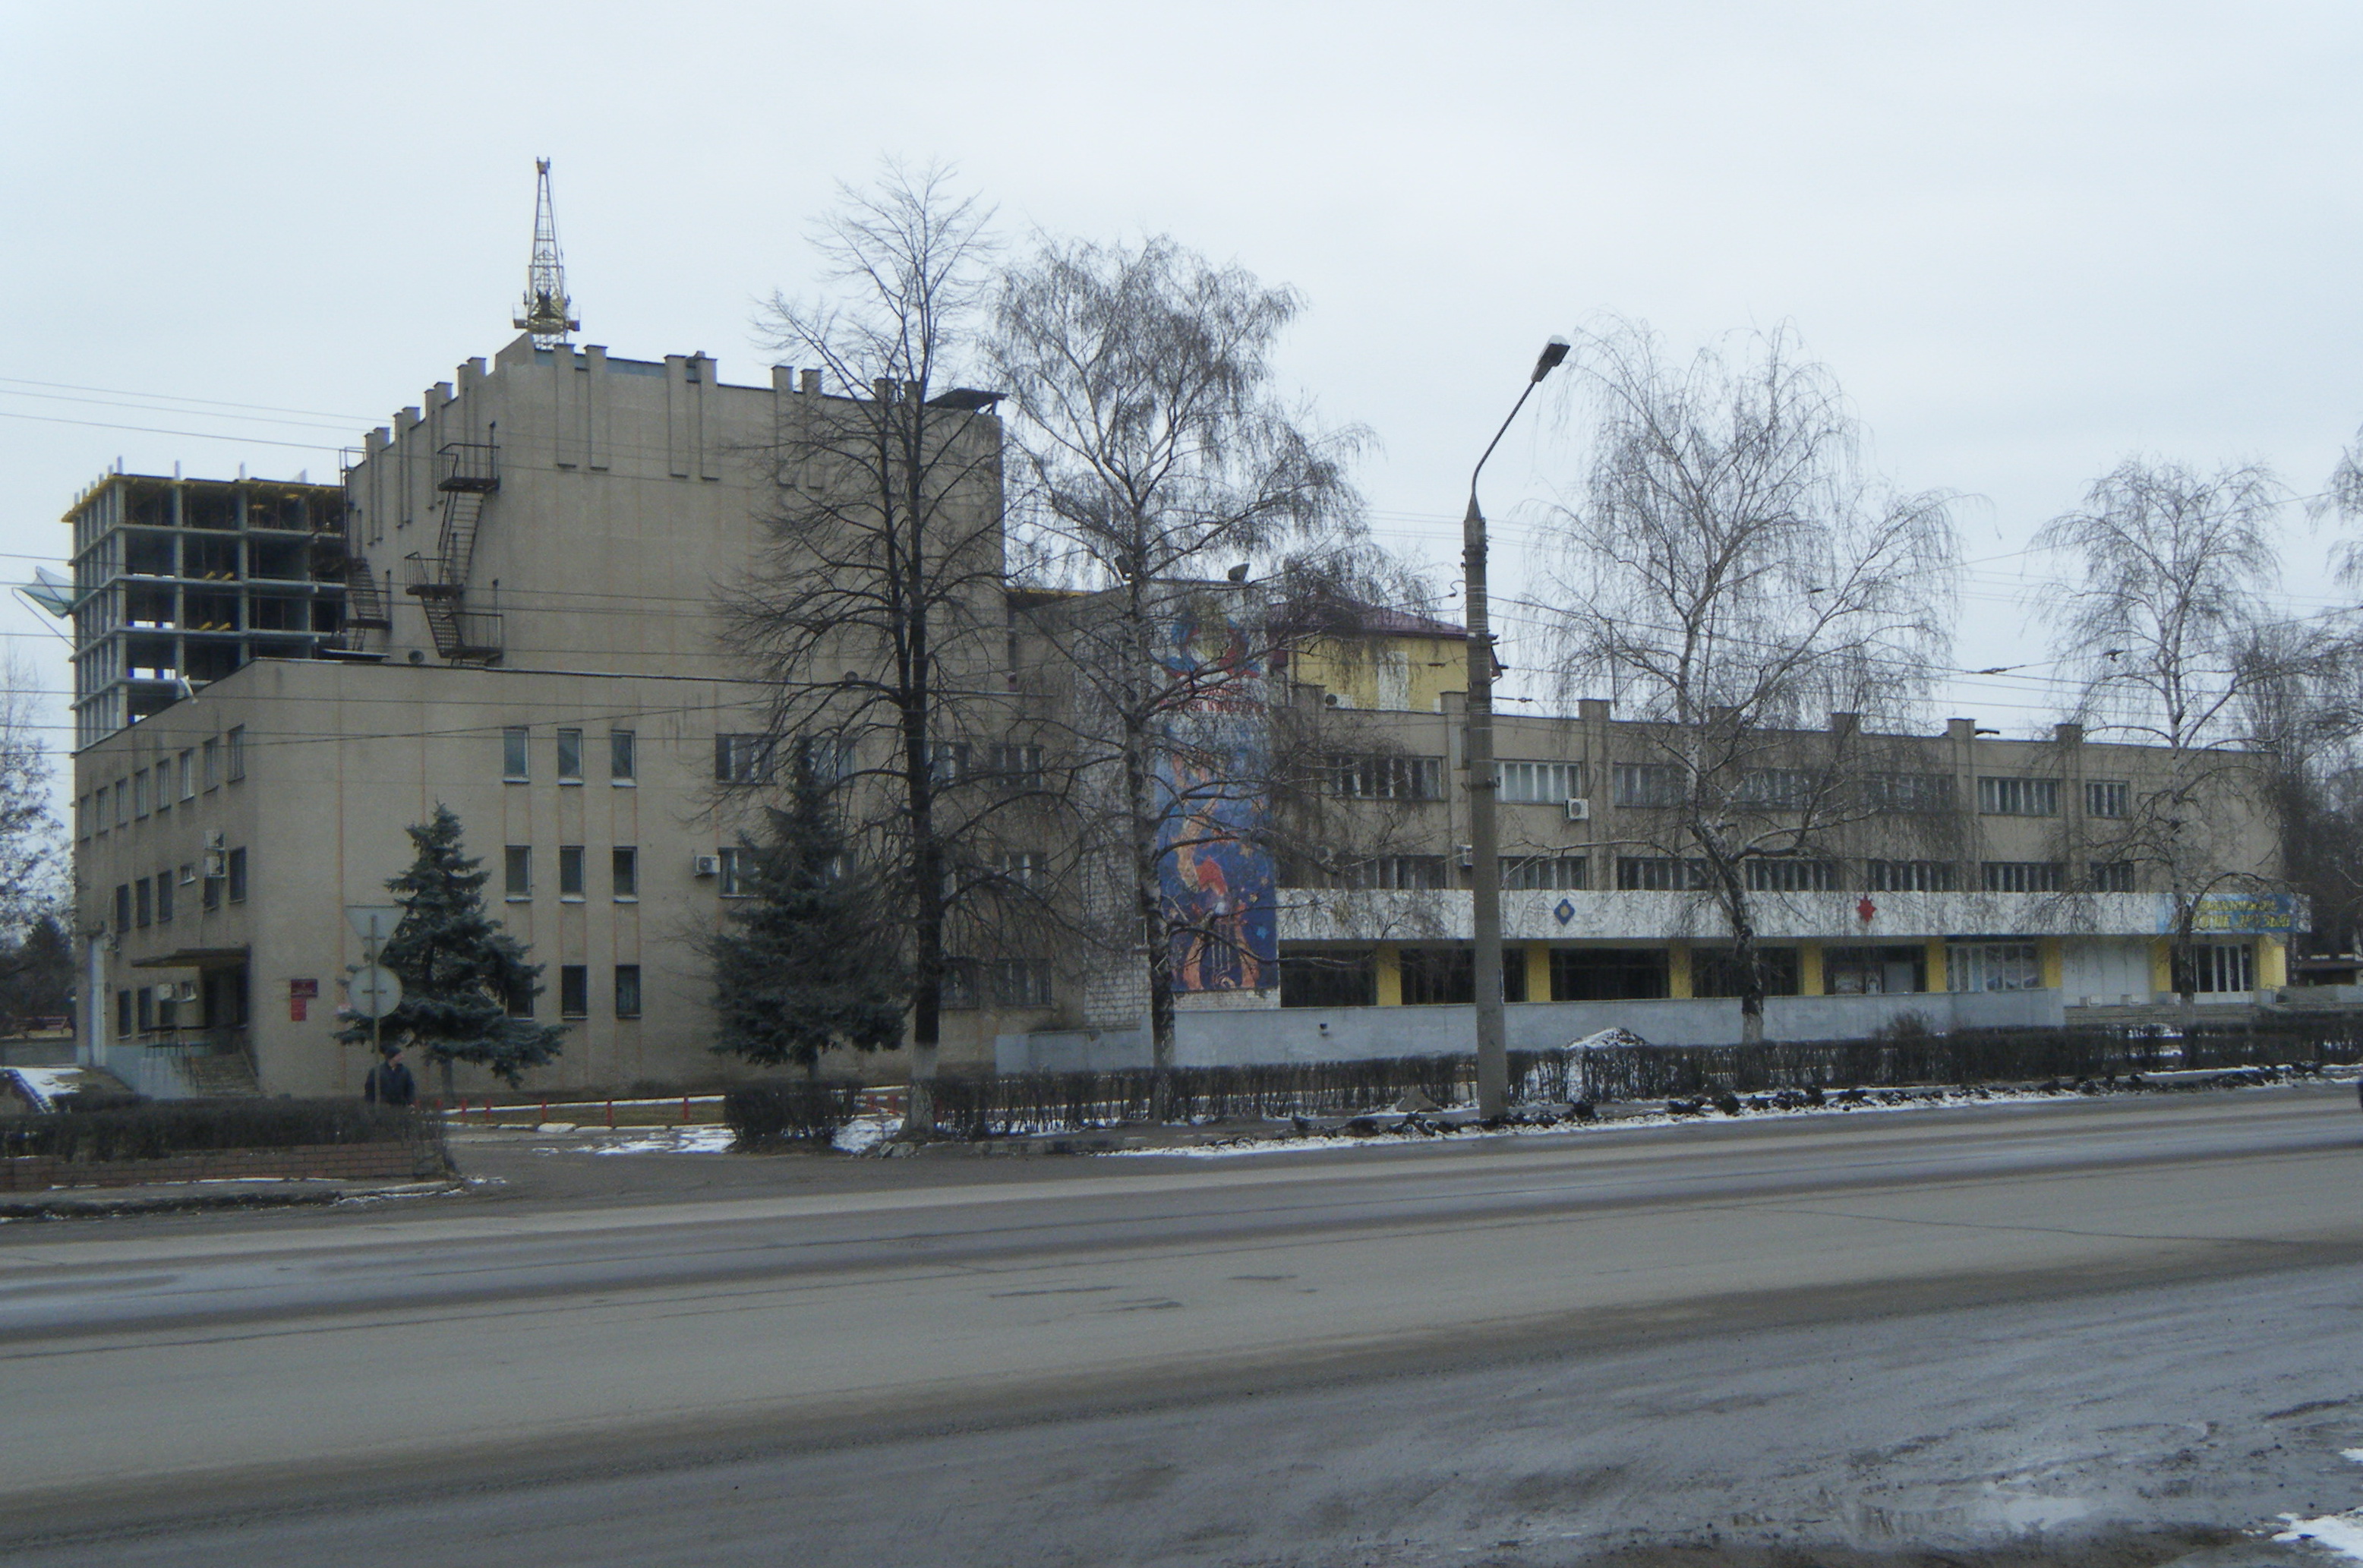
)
(2342, 1533)
(864, 1133)
(663, 1140)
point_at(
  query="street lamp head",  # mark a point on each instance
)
(1553, 351)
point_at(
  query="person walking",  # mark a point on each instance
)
(389, 1082)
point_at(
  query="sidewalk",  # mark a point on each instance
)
(195, 1198)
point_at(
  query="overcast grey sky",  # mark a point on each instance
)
(2028, 239)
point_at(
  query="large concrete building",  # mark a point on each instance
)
(509, 607)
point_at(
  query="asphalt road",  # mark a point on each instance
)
(2120, 1330)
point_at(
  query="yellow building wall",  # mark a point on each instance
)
(2272, 963)
(1538, 973)
(2047, 953)
(1939, 978)
(1678, 970)
(1808, 969)
(1429, 667)
(2162, 965)
(1389, 976)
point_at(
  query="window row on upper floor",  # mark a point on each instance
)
(174, 778)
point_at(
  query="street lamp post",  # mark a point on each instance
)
(1484, 836)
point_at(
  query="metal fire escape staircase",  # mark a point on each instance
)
(471, 475)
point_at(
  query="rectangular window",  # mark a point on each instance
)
(211, 752)
(209, 895)
(238, 876)
(1543, 873)
(123, 803)
(1993, 966)
(1908, 792)
(1026, 869)
(1715, 972)
(1539, 784)
(2025, 876)
(516, 865)
(1648, 784)
(1776, 789)
(164, 897)
(628, 990)
(2018, 797)
(959, 990)
(1791, 873)
(188, 776)
(1344, 977)
(82, 817)
(2215, 968)
(2112, 876)
(830, 757)
(574, 991)
(145, 995)
(1608, 975)
(143, 902)
(1436, 976)
(622, 758)
(2105, 798)
(949, 762)
(1911, 876)
(122, 1015)
(737, 868)
(520, 1000)
(1659, 873)
(570, 873)
(517, 754)
(237, 752)
(624, 861)
(1020, 983)
(1014, 766)
(742, 758)
(1399, 872)
(1874, 970)
(1388, 778)
(570, 756)
(139, 794)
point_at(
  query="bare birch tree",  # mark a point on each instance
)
(878, 604)
(2160, 617)
(1156, 454)
(1734, 571)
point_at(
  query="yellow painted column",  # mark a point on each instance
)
(2047, 954)
(1808, 970)
(1538, 973)
(1938, 978)
(1389, 976)
(1678, 970)
(2272, 963)
(2162, 965)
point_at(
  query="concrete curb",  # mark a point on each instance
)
(85, 1204)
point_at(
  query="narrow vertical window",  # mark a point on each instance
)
(515, 768)
(518, 864)
(139, 794)
(570, 756)
(573, 991)
(626, 863)
(188, 776)
(164, 897)
(238, 876)
(237, 752)
(628, 990)
(569, 871)
(211, 752)
(140, 900)
(122, 907)
(623, 762)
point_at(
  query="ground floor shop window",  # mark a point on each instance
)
(1608, 975)
(1715, 972)
(1329, 977)
(2210, 968)
(1874, 970)
(1993, 966)
(1433, 975)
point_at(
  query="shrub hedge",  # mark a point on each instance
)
(793, 1110)
(154, 1129)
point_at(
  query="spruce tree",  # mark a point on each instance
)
(805, 963)
(458, 969)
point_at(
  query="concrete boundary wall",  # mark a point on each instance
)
(1217, 1038)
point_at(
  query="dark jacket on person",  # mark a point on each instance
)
(390, 1084)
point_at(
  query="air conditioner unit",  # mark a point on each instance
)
(213, 841)
(1335, 699)
(217, 863)
(1467, 855)
(1578, 811)
(708, 865)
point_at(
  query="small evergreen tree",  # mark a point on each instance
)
(805, 963)
(459, 970)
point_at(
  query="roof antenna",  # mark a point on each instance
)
(548, 314)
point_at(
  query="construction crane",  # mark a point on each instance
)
(547, 313)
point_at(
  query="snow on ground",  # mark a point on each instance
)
(2342, 1533)
(660, 1140)
(42, 1086)
(2353, 1454)
(864, 1133)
